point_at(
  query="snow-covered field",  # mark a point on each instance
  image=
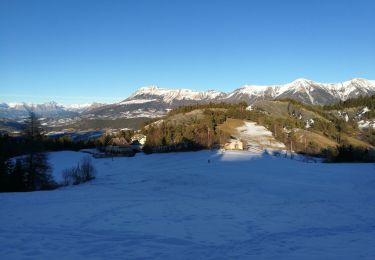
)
(179, 206)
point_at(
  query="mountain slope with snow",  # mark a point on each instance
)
(306, 91)
(173, 95)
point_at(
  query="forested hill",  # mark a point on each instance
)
(314, 130)
(362, 101)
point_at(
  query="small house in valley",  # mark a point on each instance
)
(119, 146)
(118, 141)
(234, 144)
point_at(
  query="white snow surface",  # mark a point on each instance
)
(178, 206)
(254, 130)
(14, 104)
(258, 136)
(136, 101)
(78, 106)
(168, 95)
(364, 111)
(366, 123)
(309, 123)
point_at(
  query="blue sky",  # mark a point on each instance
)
(81, 51)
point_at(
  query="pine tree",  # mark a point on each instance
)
(4, 175)
(35, 163)
(33, 128)
(18, 177)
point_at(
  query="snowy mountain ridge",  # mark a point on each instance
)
(153, 101)
(48, 109)
(169, 95)
(304, 90)
(47, 106)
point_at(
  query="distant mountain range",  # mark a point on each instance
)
(153, 101)
(49, 109)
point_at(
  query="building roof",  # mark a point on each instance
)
(118, 141)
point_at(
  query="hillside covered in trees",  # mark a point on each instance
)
(327, 131)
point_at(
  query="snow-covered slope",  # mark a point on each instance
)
(168, 206)
(173, 95)
(258, 137)
(80, 108)
(306, 91)
(153, 101)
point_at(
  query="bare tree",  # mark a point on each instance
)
(83, 172)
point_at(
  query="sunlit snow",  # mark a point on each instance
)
(196, 205)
